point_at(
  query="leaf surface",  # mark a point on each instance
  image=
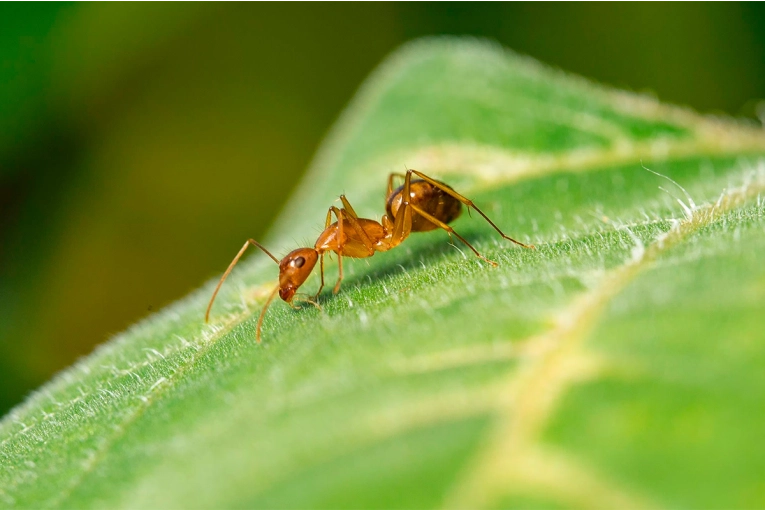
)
(617, 365)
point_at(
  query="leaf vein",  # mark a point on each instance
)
(532, 394)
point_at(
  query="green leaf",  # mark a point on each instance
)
(617, 365)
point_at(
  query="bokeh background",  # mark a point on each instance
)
(140, 144)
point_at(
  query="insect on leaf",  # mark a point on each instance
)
(617, 365)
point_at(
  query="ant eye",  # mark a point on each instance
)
(298, 262)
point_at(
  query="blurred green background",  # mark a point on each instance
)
(140, 144)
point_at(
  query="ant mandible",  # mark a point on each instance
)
(418, 205)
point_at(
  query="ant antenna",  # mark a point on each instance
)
(231, 266)
(263, 312)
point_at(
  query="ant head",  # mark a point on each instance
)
(294, 269)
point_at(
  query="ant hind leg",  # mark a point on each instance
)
(468, 203)
(450, 231)
(390, 181)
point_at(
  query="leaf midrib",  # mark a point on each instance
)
(621, 275)
(518, 426)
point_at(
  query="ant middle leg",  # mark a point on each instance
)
(468, 203)
(450, 231)
(344, 216)
(350, 216)
(321, 272)
(341, 240)
(349, 212)
(327, 223)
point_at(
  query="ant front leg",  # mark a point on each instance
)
(321, 271)
(304, 298)
(468, 203)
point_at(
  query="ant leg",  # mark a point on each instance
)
(321, 257)
(231, 266)
(468, 203)
(301, 299)
(370, 246)
(321, 270)
(348, 208)
(339, 273)
(402, 223)
(350, 216)
(341, 240)
(450, 231)
(390, 181)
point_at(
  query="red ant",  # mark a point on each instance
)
(418, 205)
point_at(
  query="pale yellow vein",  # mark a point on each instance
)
(492, 165)
(533, 393)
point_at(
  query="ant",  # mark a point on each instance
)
(419, 205)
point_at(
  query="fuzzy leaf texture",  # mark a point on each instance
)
(618, 365)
